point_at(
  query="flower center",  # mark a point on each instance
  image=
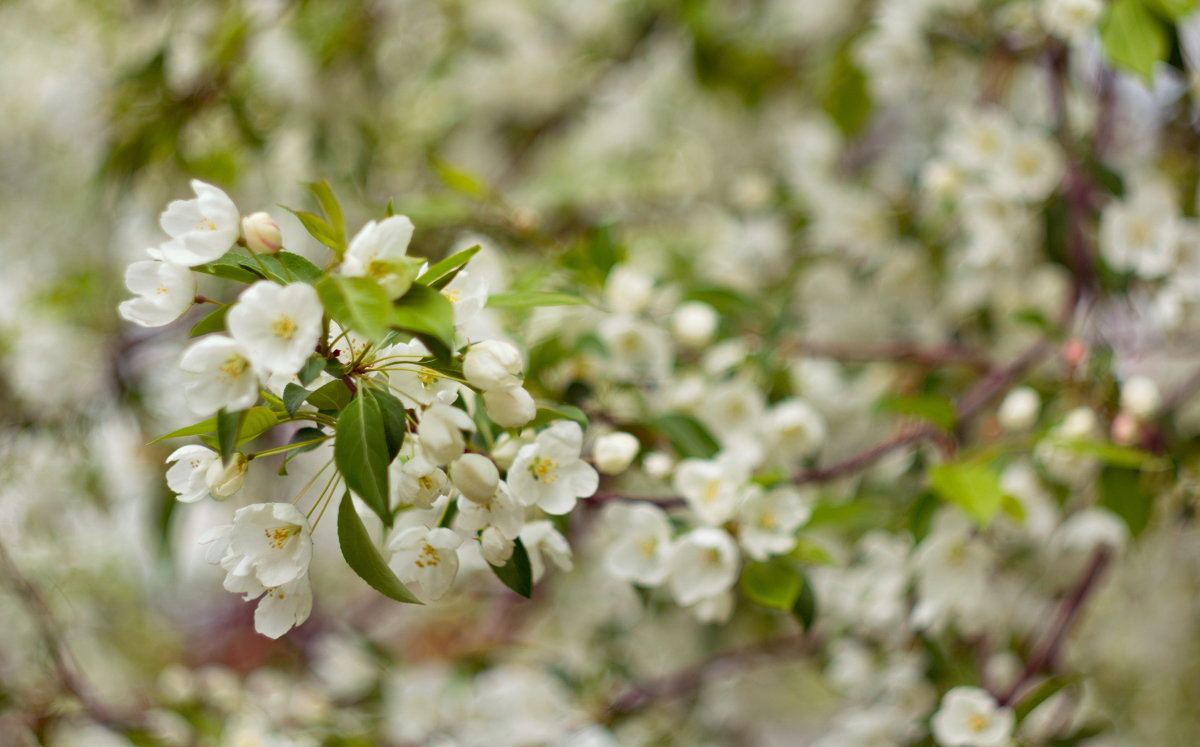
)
(543, 469)
(426, 482)
(977, 722)
(277, 537)
(284, 327)
(768, 520)
(205, 224)
(428, 557)
(426, 379)
(453, 295)
(647, 546)
(712, 489)
(161, 290)
(232, 369)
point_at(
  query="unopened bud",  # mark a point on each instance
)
(226, 479)
(614, 452)
(694, 323)
(492, 364)
(476, 476)
(495, 547)
(509, 408)
(1140, 398)
(262, 233)
(1019, 410)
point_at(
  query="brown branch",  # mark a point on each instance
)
(1046, 655)
(685, 681)
(898, 351)
(61, 659)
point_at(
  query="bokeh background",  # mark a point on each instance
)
(763, 156)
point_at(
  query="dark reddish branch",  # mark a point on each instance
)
(685, 681)
(1045, 657)
(899, 351)
(61, 659)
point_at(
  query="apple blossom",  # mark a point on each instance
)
(271, 542)
(475, 476)
(224, 480)
(376, 245)
(549, 473)
(545, 543)
(262, 233)
(164, 292)
(441, 433)
(702, 563)
(277, 325)
(509, 408)
(426, 556)
(492, 364)
(188, 475)
(970, 717)
(641, 542)
(768, 520)
(614, 452)
(219, 375)
(201, 229)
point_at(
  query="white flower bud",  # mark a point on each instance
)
(492, 364)
(225, 480)
(694, 323)
(262, 233)
(1140, 397)
(614, 452)
(509, 408)
(440, 433)
(1019, 410)
(658, 465)
(476, 476)
(495, 547)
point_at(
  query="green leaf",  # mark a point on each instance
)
(805, 608)
(459, 180)
(364, 558)
(426, 313)
(229, 424)
(935, 408)
(1114, 454)
(311, 370)
(320, 230)
(1121, 492)
(293, 267)
(1041, 694)
(1133, 38)
(214, 321)
(810, 552)
(359, 304)
(438, 275)
(689, 437)
(547, 415)
(846, 97)
(229, 267)
(360, 450)
(294, 395)
(390, 210)
(208, 425)
(775, 584)
(972, 486)
(395, 422)
(530, 299)
(1172, 10)
(517, 573)
(329, 205)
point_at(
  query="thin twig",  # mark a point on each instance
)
(899, 351)
(1045, 656)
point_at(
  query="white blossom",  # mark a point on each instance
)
(271, 542)
(475, 476)
(640, 544)
(277, 325)
(164, 292)
(419, 482)
(713, 488)
(614, 452)
(201, 229)
(426, 556)
(768, 520)
(492, 364)
(376, 245)
(219, 375)
(970, 717)
(509, 408)
(549, 473)
(188, 474)
(544, 543)
(702, 563)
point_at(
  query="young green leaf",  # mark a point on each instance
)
(229, 267)
(329, 205)
(213, 321)
(517, 574)
(530, 299)
(364, 558)
(972, 486)
(805, 608)
(687, 435)
(294, 395)
(932, 407)
(1133, 38)
(395, 421)
(426, 313)
(1121, 492)
(332, 396)
(360, 451)
(774, 584)
(208, 425)
(359, 304)
(1041, 694)
(438, 275)
(547, 415)
(320, 230)
(311, 370)
(228, 426)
